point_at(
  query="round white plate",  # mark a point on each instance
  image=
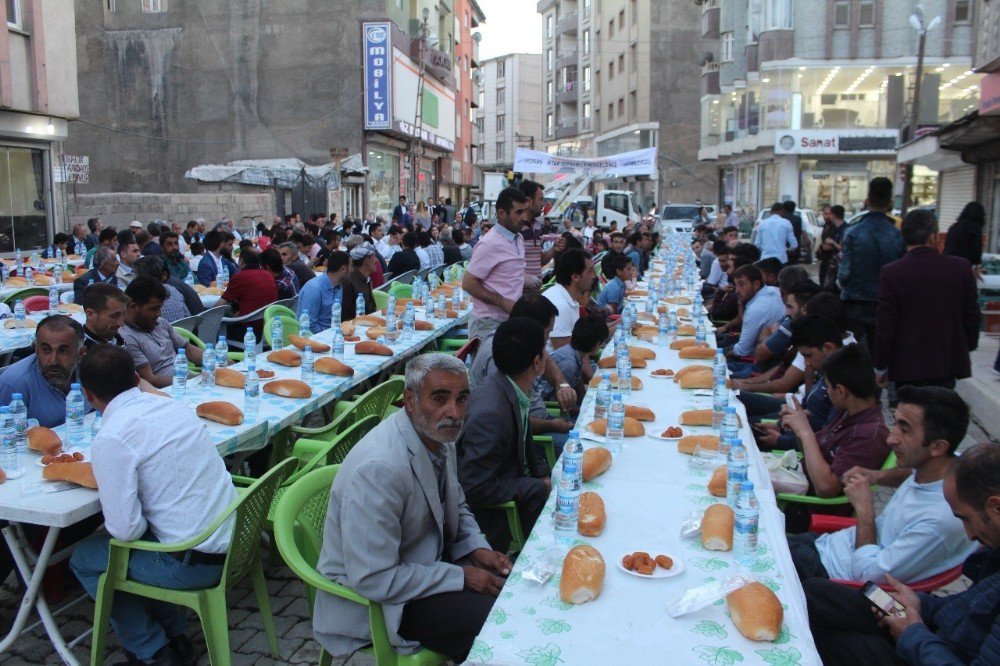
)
(659, 572)
(666, 439)
(652, 376)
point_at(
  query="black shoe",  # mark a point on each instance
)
(184, 649)
(165, 656)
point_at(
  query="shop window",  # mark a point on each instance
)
(23, 199)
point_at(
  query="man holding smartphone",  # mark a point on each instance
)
(959, 628)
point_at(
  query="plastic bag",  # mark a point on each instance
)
(544, 567)
(691, 525)
(787, 475)
(703, 595)
(47, 487)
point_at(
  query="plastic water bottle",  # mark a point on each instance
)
(223, 278)
(304, 325)
(429, 306)
(745, 530)
(29, 276)
(222, 352)
(699, 330)
(456, 299)
(672, 324)
(95, 426)
(50, 253)
(335, 313)
(570, 482)
(74, 415)
(17, 257)
(697, 303)
(338, 344)
(390, 305)
(250, 346)
(189, 279)
(10, 460)
(664, 326)
(603, 397)
(359, 306)
(730, 425)
(616, 424)
(719, 367)
(180, 374)
(277, 333)
(57, 275)
(251, 392)
(308, 366)
(441, 307)
(736, 470)
(409, 322)
(19, 314)
(720, 400)
(19, 413)
(208, 366)
(624, 367)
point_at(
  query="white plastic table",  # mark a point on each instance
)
(648, 491)
(12, 339)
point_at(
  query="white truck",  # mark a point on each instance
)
(609, 206)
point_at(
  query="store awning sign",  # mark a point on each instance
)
(378, 75)
(835, 142)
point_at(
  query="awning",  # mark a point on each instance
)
(286, 172)
(353, 165)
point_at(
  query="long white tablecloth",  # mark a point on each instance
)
(648, 491)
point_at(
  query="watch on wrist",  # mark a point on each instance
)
(564, 385)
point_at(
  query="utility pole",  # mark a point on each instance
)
(416, 145)
(917, 21)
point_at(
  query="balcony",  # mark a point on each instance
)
(710, 13)
(568, 94)
(710, 79)
(775, 44)
(544, 5)
(565, 59)
(567, 128)
(567, 24)
(475, 61)
(753, 63)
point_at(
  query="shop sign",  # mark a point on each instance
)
(378, 75)
(989, 95)
(74, 169)
(834, 142)
(424, 135)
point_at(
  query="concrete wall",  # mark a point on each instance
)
(119, 208)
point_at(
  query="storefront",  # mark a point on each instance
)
(841, 182)
(25, 211)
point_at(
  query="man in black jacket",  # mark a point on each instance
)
(106, 263)
(796, 220)
(405, 259)
(497, 459)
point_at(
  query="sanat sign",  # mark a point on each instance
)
(377, 47)
(827, 142)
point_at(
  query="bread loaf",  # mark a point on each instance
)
(685, 329)
(300, 342)
(421, 325)
(596, 461)
(632, 427)
(687, 342)
(28, 323)
(80, 473)
(636, 382)
(641, 352)
(698, 352)
(689, 369)
(592, 517)
(331, 366)
(609, 362)
(717, 484)
(288, 388)
(220, 411)
(697, 417)
(678, 300)
(229, 378)
(698, 380)
(717, 527)
(347, 328)
(44, 440)
(648, 333)
(582, 575)
(689, 443)
(371, 347)
(370, 320)
(639, 413)
(375, 332)
(756, 611)
(265, 374)
(285, 357)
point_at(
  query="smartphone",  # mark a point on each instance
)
(790, 401)
(881, 601)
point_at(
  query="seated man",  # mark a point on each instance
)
(317, 296)
(574, 280)
(214, 259)
(43, 378)
(250, 289)
(497, 459)
(405, 259)
(398, 530)
(358, 281)
(762, 306)
(715, 277)
(154, 267)
(589, 335)
(105, 307)
(856, 433)
(613, 294)
(106, 261)
(960, 628)
(146, 494)
(150, 339)
(293, 262)
(915, 536)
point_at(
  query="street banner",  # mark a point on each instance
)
(634, 163)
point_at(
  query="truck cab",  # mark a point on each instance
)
(616, 206)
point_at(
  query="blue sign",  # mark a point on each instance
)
(377, 47)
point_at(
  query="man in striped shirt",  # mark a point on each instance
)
(534, 256)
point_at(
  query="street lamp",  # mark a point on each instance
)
(922, 28)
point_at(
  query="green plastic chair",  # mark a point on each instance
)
(400, 290)
(190, 337)
(290, 324)
(272, 311)
(298, 533)
(451, 345)
(381, 299)
(314, 454)
(786, 498)
(22, 294)
(378, 400)
(242, 559)
(513, 524)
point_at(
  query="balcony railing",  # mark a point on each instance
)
(567, 24)
(567, 128)
(565, 59)
(568, 94)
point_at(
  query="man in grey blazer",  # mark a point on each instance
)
(398, 530)
(498, 461)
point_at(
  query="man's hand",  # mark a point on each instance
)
(859, 491)
(796, 420)
(767, 435)
(897, 624)
(491, 560)
(482, 581)
(506, 304)
(567, 398)
(531, 283)
(559, 245)
(871, 477)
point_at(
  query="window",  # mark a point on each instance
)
(621, 63)
(550, 30)
(621, 20)
(586, 109)
(842, 14)
(586, 42)
(611, 28)
(611, 70)
(548, 124)
(501, 98)
(611, 112)
(479, 124)
(548, 92)
(500, 123)
(621, 107)
(777, 14)
(597, 119)
(548, 60)
(150, 6)
(112, 5)
(501, 68)
(633, 11)
(963, 11)
(586, 5)
(482, 99)
(866, 14)
(633, 105)
(632, 59)
(726, 47)
(586, 79)
(14, 13)
(500, 150)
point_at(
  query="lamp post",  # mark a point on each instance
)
(922, 28)
(417, 151)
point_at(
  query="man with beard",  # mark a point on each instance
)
(43, 378)
(177, 264)
(218, 249)
(617, 249)
(398, 530)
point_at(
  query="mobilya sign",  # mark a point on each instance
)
(634, 163)
(378, 75)
(834, 142)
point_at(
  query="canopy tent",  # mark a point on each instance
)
(286, 172)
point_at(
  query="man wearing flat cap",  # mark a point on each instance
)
(363, 264)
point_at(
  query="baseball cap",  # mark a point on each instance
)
(135, 224)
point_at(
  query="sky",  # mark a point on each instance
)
(511, 26)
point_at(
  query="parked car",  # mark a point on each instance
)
(679, 218)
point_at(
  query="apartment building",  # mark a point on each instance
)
(509, 112)
(806, 100)
(38, 94)
(620, 75)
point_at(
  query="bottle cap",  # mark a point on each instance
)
(731, 409)
(16, 396)
(574, 434)
(5, 410)
(74, 386)
(735, 441)
(747, 485)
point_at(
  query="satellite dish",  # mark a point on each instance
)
(477, 36)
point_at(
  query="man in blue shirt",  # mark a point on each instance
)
(775, 236)
(43, 378)
(762, 307)
(318, 295)
(613, 294)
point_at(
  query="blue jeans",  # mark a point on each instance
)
(143, 625)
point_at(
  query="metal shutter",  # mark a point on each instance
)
(957, 188)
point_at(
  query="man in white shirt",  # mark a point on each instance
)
(146, 494)
(762, 306)
(775, 236)
(389, 244)
(574, 280)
